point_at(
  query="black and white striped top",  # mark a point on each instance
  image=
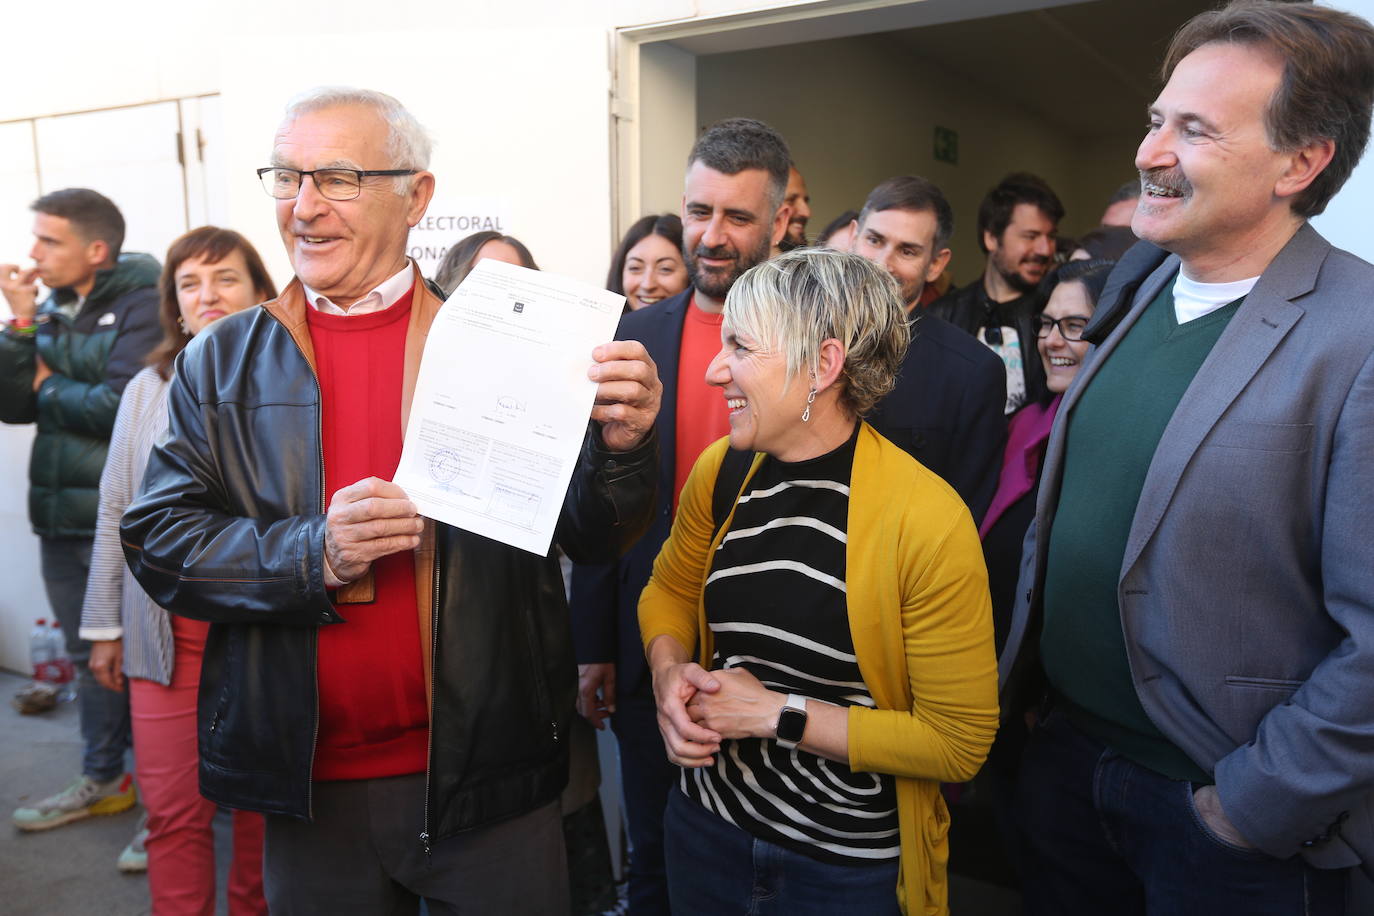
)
(776, 605)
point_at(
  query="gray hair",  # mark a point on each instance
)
(408, 144)
(736, 144)
(797, 300)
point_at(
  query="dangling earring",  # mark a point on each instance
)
(810, 399)
(181, 323)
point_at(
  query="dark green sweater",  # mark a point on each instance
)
(1113, 432)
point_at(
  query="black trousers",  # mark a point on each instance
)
(363, 854)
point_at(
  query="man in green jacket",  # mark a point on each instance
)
(63, 366)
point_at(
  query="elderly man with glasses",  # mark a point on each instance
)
(393, 693)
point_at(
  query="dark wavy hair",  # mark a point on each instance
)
(917, 195)
(210, 243)
(736, 144)
(994, 213)
(666, 225)
(459, 259)
(1092, 273)
(93, 215)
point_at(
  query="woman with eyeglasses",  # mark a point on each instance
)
(1074, 288)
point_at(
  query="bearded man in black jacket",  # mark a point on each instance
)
(1017, 221)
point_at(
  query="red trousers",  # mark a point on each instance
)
(181, 845)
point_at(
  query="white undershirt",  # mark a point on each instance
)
(1193, 299)
(383, 297)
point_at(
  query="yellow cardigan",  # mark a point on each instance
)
(921, 620)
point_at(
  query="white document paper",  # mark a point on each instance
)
(502, 401)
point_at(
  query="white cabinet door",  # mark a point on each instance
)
(202, 146)
(18, 188)
(131, 156)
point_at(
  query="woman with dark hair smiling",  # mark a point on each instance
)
(210, 273)
(647, 266)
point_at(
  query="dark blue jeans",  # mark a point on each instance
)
(648, 778)
(104, 713)
(716, 869)
(1102, 834)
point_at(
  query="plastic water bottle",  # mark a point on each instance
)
(40, 652)
(62, 663)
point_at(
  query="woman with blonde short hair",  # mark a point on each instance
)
(818, 623)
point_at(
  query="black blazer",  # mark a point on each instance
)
(605, 597)
(947, 409)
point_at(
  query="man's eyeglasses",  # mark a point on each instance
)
(333, 184)
(1070, 326)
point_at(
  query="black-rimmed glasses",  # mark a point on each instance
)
(1070, 326)
(333, 184)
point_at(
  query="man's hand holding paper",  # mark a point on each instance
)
(503, 396)
(627, 393)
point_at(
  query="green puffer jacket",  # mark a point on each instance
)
(92, 352)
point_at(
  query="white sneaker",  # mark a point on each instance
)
(81, 799)
(134, 858)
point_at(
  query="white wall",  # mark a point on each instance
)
(476, 92)
(22, 599)
(1346, 220)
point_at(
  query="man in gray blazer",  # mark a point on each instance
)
(1198, 612)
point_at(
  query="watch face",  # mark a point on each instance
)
(791, 724)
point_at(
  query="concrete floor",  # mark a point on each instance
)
(70, 871)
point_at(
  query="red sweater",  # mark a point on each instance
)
(702, 416)
(374, 719)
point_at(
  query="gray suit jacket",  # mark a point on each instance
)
(1247, 588)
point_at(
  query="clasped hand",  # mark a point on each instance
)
(697, 709)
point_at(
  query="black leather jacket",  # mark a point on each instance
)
(230, 529)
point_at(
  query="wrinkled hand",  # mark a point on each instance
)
(1208, 805)
(365, 522)
(688, 744)
(107, 663)
(596, 692)
(627, 393)
(20, 289)
(741, 708)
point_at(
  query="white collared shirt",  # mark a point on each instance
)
(1193, 299)
(383, 297)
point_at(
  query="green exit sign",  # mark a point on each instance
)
(946, 145)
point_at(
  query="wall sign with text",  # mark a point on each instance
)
(450, 220)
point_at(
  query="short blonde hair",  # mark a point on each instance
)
(797, 300)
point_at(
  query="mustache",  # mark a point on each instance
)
(1170, 179)
(717, 251)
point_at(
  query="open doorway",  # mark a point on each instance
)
(961, 94)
